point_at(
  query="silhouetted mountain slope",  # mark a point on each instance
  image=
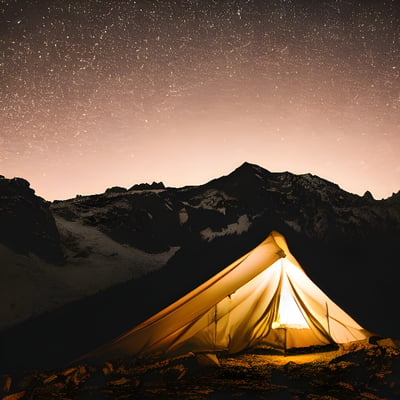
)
(26, 223)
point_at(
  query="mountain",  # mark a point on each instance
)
(142, 248)
(26, 223)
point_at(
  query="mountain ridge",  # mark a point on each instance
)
(245, 166)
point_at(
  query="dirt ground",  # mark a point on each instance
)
(363, 371)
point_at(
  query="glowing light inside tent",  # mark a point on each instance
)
(289, 315)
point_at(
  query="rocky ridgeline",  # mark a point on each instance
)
(26, 222)
(153, 218)
(370, 371)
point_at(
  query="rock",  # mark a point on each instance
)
(69, 371)
(119, 382)
(115, 189)
(50, 379)
(108, 368)
(146, 186)
(371, 396)
(15, 396)
(74, 379)
(346, 385)
(6, 382)
(337, 365)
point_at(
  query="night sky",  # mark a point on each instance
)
(98, 93)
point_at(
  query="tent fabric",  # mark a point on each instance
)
(263, 298)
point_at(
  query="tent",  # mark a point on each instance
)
(263, 298)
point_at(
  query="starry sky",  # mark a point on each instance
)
(100, 93)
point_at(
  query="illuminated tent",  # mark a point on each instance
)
(263, 298)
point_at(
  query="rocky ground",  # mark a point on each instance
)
(361, 372)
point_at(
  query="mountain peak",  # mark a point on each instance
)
(247, 167)
(368, 195)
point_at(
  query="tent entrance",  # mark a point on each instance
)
(289, 313)
(289, 328)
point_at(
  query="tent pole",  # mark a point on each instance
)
(215, 326)
(327, 316)
(284, 343)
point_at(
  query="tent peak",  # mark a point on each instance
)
(282, 249)
(281, 253)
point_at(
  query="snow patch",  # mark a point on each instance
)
(183, 216)
(242, 225)
(168, 204)
(294, 225)
(30, 286)
(212, 200)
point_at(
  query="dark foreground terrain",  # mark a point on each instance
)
(370, 371)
